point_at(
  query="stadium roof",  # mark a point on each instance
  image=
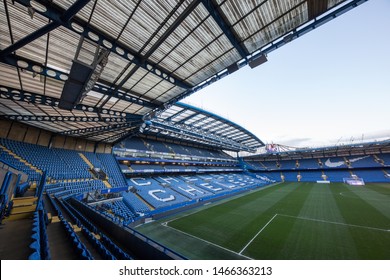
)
(358, 148)
(192, 124)
(99, 69)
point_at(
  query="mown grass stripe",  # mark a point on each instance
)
(333, 223)
(229, 225)
(369, 244)
(304, 240)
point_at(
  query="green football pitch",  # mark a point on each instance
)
(285, 221)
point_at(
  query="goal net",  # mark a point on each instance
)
(354, 181)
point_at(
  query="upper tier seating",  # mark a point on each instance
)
(270, 165)
(308, 163)
(287, 164)
(157, 146)
(385, 158)
(363, 161)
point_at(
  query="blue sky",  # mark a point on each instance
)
(330, 85)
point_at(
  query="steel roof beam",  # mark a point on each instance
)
(62, 76)
(182, 111)
(65, 17)
(51, 118)
(186, 118)
(100, 129)
(18, 95)
(54, 12)
(121, 136)
(194, 122)
(224, 132)
(218, 17)
(191, 7)
(208, 137)
(163, 37)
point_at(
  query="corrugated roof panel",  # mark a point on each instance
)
(111, 16)
(255, 14)
(174, 40)
(114, 67)
(218, 65)
(30, 83)
(160, 10)
(118, 106)
(170, 111)
(85, 12)
(5, 110)
(168, 95)
(204, 123)
(141, 111)
(65, 4)
(12, 106)
(9, 76)
(87, 52)
(133, 108)
(4, 31)
(278, 28)
(93, 94)
(62, 48)
(139, 28)
(163, 89)
(135, 83)
(19, 107)
(90, 101)
(192, 46)
(332, 3)
(54, 87)
(36, 49)
(21, 23)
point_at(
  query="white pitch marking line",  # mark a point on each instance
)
(216, 203)
(211, 243)
(257, 234)
(335, 223)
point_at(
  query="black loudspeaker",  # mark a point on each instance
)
(258, 61)
(232, 68)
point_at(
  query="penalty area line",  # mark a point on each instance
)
(257, 234)
(334, 223)
(208, 242)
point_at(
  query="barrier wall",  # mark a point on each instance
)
(138, 245)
